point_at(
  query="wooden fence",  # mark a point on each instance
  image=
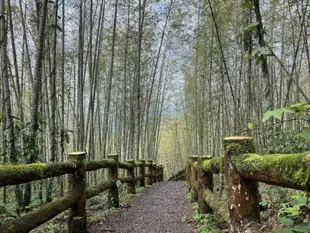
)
(243, 170)
(180, 175)
(137, 172)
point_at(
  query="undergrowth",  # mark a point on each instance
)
(207, 223)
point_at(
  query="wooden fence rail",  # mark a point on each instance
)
(243, 170)
(180, 175)
(75, 198)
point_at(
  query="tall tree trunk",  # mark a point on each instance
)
(107, 106)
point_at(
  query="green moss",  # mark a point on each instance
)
(213, 165)
(293, 168)
(21, 169)
(138, 163)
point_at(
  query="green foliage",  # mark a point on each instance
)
(298, 108)
(304, 227)
(191, 195)
(291, 214)
(295, 207)
(247, 4)
(140, 189)
(260, 52)
(291, 141)
(207, 222)
(252, 27)
(291, 207)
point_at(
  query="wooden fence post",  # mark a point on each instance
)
(188, 174)
(154, 174)
(148, 172)
(113, 196)
(204, 181)
(131, 187)
(243, 196)
(77, 184)
(141, 172)
(193, 177)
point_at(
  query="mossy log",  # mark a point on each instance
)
(217, 205)
(286, 170)
(99, 164)
(34, 219)
(125, 165)
(97, 189)
(18, 174)
(243, 196)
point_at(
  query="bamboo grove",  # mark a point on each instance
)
(82, 76)
(246, 58)
(146, 79)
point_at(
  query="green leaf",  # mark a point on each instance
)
(11, 212)
(252, 27)
(251, 125)
(258, 60)
(247, 4)
(254, 53)
(300, 200)
(286, 221)
(302, 228)
(277, 113)
(284, 230)
(288, 109)
(118, 183)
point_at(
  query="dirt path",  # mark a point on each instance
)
(161, 208)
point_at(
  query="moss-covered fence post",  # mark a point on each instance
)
(204, 181)
(77, 184)
(131, 187)
(193, 177)
(243, 196)
(113, 195)
(148, 172)
(141, 172)
(188, 173)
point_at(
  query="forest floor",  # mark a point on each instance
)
(163, 207)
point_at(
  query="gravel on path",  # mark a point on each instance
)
(163, 207)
